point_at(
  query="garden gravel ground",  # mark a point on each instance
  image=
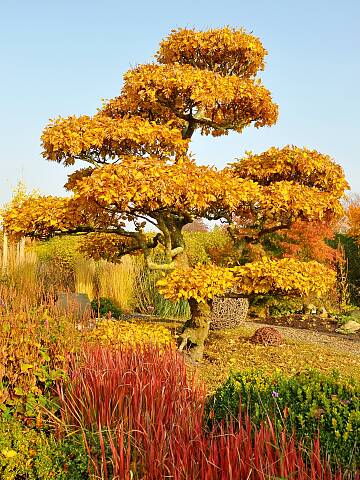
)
(336, 341)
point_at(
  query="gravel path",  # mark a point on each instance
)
(335, 341)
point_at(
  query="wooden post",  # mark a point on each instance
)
(5, 256)
(20, 251)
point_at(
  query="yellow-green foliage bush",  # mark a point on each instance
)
(27, 453)
(116, 333)
(34, 342)
(62, 249)
(200, 244)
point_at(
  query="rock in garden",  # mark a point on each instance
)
(267, 336)
(349, 327)
(78, 303)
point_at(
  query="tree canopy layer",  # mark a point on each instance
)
(140, 171)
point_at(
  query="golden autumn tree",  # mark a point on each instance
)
(139, 172)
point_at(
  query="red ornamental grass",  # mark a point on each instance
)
(148, 416)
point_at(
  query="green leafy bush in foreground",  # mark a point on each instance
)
(26, 453)
(306, 403)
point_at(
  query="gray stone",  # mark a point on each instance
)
(77, 303)
(354, 314)
(310, 309)
(349, 327)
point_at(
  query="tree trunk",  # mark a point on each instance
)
(196, 330)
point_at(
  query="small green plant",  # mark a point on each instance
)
(104, 307)
(29, 453)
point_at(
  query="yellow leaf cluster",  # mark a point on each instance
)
(224, 50)
(284, 198)
(41, 216)
(149, 184)
(120, 333)
(219, 102)
(106, 246)
(67, 139)
(293, 164)
(286, 276)
(202, 282)
(295, 183)
(353, 219)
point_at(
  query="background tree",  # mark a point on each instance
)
(140, 172)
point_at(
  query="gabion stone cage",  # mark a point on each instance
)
(228, 312)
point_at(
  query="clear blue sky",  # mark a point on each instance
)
(62, 57)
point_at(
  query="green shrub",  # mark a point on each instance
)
(263, 305)
(200, 245)
(103, 306)
(307, 403)
(26, 453)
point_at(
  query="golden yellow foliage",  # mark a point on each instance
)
(293, 164)
(353, 218)
(218, 102)
(68, 139)
(295, 184)
(41, 215)
(150, 185)
(226, 50)
(201, 283)
(287, 275)
(284, 276)
(117, 333)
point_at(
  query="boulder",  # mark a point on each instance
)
(78, 303)
(349, 327)
(310, 309)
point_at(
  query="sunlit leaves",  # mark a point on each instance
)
(224, 50)
(210, 100)
(201, 283)
(295, 183)
(293, 164)
(285, 276)
(107, 246)
(353, 218)
(102, 139)
(41, 216)
(149, 185)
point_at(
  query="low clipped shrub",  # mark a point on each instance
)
(27, 453)
(103, 307)
(116, 332)
(308, 403)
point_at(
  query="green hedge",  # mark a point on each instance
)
(307, 403)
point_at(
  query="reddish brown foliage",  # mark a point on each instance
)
(307, 241)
